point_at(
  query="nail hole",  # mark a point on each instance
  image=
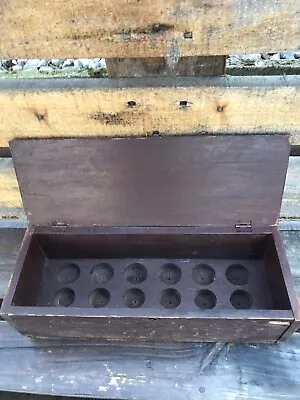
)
(156, 133)
(188, 35)
(40, 117)
(156, 28)
(220, 108)
(99, 298)
(131, 103)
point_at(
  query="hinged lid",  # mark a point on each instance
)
(171, 181)
(243, 226)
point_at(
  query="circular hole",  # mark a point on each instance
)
(102, 273)
(188, 35)
(64, 297)
(203, 274)
(99, 298)
(183, 103)
(205, 299)
(155, 133)
(68, 273)
(237, 274)
(135, 273)
(241, 299)
(170, 298)
(131, 103)
(134, 298)
(170, 274)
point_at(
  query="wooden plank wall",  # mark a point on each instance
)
(146, 28)
(140, 106)
(162, 66)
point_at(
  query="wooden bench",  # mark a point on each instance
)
(166, 66)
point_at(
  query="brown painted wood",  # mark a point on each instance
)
(251, 330)
(191, 181)
(10, 242)
(33, 288)
(159, 66)
(43, 108)
(11, 209)
(148, 28)
(11, 239)
(190, 230)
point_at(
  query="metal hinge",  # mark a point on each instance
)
(243, 226)
(59, 225)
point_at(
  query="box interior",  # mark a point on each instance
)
(162, 271)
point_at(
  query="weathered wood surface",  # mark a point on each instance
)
(91, 107)
(146, 28)
(290, 208)
(190, 371)
(11, 203)
(162, 66)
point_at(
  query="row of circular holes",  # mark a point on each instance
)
(170, 298)
(170, 274)
(181, 103)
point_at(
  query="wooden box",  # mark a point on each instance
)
(156, 239)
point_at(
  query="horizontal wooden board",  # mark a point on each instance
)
(186, 372)
(11, 203)
(160, 66)
(146, 28)
(99, 107)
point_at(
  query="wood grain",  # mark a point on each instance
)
(146, 28)
(171, 181)
(11, 204)
(133, 371)
(161, 66)
(91, 107)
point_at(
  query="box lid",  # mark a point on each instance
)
(170, 181)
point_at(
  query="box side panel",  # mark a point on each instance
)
(289, 284)
(19, 271)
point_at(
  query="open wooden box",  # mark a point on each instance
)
(157, 239)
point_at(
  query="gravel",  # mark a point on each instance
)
(34, 68)
(281, 62)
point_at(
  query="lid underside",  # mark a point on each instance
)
(171, 181)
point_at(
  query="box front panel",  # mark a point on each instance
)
(152, 329)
